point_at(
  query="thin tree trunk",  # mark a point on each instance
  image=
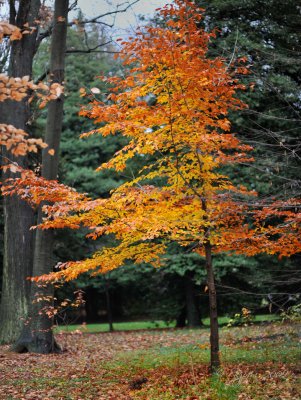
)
(18, 216)
(37, 335)
(214, 336)
(109, 305)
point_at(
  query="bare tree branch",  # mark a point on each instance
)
(91, 51)
(94, 20)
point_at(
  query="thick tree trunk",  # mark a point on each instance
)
(192, 309)
(18, 216)
(214, 336)
(37, 335)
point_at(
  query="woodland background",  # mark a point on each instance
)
(48, 45)
(268, 35)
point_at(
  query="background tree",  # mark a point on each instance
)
(267, 34)
(18, 216)
(37, 335)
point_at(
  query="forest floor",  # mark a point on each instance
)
(258, 362)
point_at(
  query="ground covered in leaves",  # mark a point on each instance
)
(259, 362)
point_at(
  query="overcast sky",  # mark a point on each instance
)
(127, 20)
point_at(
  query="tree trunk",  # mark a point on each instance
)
(109, 305)
(192, 309)
(18, 216)
(214, 337)
(37, 335)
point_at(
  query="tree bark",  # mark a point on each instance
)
(214, 336)
(37, 335)
(18, 216)
(109, 305)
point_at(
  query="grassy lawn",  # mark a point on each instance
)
(136, 325)
(118, 326)
(258, 362)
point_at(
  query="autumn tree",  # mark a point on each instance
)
(189, 138)
(181, 194)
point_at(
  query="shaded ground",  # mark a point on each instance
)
(259, 362)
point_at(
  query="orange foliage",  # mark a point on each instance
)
(17, 142)
(18, 89)
(10, 30)
(185, 138)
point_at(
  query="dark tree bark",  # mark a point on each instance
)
(214, 336)
(18, 216)
(109, 305)
(37, 335)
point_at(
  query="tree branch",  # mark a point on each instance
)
(92, 49)
(93, 20)
(42, 77)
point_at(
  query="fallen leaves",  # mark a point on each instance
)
(113, 366)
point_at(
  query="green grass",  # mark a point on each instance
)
(118, 326)
(136, 325)
(171, 356)
(168, 362)
(259, 361)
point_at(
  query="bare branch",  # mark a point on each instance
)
(42, 77)
(93, 20)
(73, 5)
(91, 51)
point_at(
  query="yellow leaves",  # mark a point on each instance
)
(82, 92)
